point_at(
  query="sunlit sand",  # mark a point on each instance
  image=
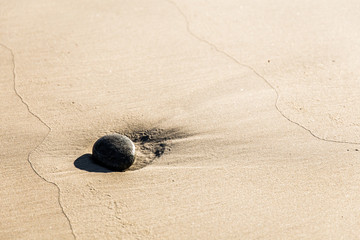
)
(256, 104)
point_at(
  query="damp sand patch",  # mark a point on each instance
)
(151, 144)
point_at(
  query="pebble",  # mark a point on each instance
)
(114, 151)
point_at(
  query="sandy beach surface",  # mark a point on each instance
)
(257, 103)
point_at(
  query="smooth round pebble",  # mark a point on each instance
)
(114, 151)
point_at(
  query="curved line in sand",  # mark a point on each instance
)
(212, 45)
(43, 140)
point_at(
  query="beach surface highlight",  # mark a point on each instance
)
(244, 114)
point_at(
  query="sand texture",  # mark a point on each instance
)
(245, 117)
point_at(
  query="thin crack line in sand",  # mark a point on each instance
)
(255, 72)
(43, 140)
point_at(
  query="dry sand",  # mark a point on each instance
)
(261, 99)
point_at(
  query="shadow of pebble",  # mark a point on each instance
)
(86, 163)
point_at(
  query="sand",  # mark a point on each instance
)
(259, 100)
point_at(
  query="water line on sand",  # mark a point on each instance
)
(212, 45)
(43, 140)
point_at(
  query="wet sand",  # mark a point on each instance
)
(256, 102)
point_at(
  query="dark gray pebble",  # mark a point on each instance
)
(114, 151)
